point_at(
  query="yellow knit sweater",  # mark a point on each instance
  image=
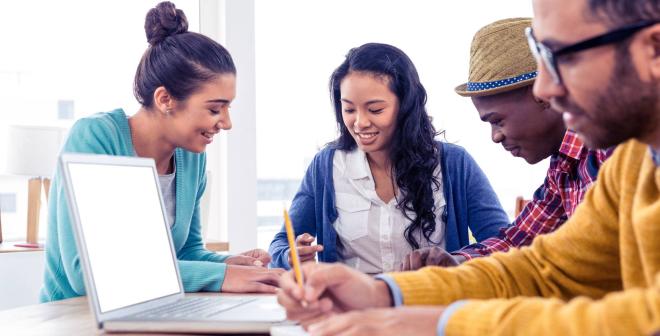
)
(599, 274)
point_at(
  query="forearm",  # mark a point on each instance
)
(536, 271)
(580, 258)
(540, 216)
(202, 276)
(71, 262)
(484, 248)
(279, 251)
(387, 292)
(632, 312)
(199, 253)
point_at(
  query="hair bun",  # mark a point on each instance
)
(164, 20)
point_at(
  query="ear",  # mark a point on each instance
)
(653, 50)
(163, 101)
(543, 103)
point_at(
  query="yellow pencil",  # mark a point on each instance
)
(292, 247)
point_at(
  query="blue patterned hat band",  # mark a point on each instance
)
(481, 86)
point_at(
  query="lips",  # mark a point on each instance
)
(208, 136)
(514, 150)
(366, 138)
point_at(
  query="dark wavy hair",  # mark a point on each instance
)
(179, 60)
(414, 154)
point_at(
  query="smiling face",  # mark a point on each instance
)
(608, 94)
(524, 126)
(369, 110)
(195, 121)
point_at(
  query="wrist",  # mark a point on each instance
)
(382, 295)
(460, 258)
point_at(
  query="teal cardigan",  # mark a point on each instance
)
(109, 133)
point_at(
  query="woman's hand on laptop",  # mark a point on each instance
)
(251, 279)
(256, 257)
(306, 251)
(330, 289)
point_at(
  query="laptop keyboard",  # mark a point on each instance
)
(194, 308)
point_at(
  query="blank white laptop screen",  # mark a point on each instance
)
(125, 232)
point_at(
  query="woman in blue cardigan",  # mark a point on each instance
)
(185, 83)
(385, 187)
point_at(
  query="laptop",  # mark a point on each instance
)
(129, 265)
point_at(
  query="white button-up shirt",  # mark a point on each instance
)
(371, 232)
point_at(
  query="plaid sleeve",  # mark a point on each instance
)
(604, 154)
(543, 214)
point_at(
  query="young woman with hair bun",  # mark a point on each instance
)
(185, 83)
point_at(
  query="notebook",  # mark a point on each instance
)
(128, 260)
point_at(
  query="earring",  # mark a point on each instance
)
(168, 111)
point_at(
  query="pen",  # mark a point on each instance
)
(297, 270)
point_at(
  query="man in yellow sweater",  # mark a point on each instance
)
(599, 274)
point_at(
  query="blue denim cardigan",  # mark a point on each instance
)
(471, 202)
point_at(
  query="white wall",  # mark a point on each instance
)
(232, 159)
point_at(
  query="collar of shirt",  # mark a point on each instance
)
(571, 145)
(357, 166)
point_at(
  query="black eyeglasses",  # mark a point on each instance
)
(549, 57)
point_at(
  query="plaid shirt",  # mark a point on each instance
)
(572, 170)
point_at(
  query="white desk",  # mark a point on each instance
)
(66, 317)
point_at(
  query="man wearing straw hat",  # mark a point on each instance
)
(599, 274)
(502, 71)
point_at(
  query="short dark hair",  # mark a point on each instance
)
(179, 60)
(414, 153)
(620, 12)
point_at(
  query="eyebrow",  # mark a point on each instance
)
(487, 116)
(223, 101)
(367, 103)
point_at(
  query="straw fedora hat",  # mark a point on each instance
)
(500, 59)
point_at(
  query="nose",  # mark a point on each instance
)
(496, 134)
(225, 120)
(545, 86)
(362, 119)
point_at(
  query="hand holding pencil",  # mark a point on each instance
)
(329, 289)
(294, 260)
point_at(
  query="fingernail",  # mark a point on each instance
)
(258, 263)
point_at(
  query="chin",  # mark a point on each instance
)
(197, 149)
(533, 161)
(371, 148)
(600, 142)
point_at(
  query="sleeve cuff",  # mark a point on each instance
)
(446, 315)
(223, 270)
(465, 255)
(395, 291)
